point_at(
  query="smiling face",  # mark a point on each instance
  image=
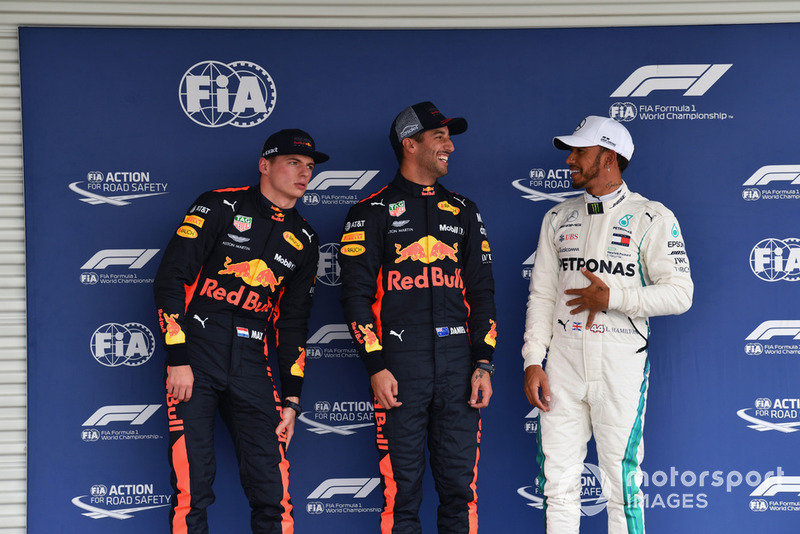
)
(427, 155)
(587, 166)
(284, 178)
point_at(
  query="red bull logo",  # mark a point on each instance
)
(252, 301)
(426, 249)
(299, 366)
(253, 273)
(371, 341)
(491, 336)
(173, 334)
(277, 214)
(395, 281)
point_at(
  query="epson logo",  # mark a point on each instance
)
(694, 79)
(215, 94)
(354, 180)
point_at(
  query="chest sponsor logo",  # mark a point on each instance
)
(242, 223)
(430, 277)
(285, 262)
(397, 209)
(292, 240)
(426, 249)
(621, 240)
(446, 206)
(598, 266)
(253, 273)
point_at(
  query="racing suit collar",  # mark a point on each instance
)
(608, 202)
(266, 204)
(416, 190)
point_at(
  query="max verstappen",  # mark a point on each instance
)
(631, 253)
(418, 296)
(242, 259)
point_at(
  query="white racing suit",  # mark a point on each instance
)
(598, 376)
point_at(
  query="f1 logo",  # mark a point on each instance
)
(133, 258)
(355, 180)
(357, 487)
(695, 79)
(136, 414)
(777, 484)
(329, 333)
(775, 173)
(769, 329)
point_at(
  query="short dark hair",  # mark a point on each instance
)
(398, 151)
(622, 161)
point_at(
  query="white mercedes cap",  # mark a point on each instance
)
(601, 131)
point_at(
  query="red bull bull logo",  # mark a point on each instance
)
(491, 335)
(299, 366)
(253, 273)
(173, 334)
(371, 341)
(426, 249)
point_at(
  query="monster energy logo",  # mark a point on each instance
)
(595, 208)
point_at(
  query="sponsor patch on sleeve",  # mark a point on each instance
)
(187, 232)
(353, 236)
(195, 220)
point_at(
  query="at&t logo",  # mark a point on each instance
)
(776, 259)
(215, 94)
(115, 344)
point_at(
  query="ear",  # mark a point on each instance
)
(264, 165)
(409, 145)
(610, 159)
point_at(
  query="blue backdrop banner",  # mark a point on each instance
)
(124, 128)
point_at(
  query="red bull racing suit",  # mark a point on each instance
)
(236, 263)
(418, 296)
(598, 376)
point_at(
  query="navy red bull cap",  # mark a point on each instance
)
(421, 117)
(292, 141)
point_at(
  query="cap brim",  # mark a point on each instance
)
(319, 157)
(456, 125)
(567, 142)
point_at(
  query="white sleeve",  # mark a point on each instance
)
(668, 285)
(542, 297)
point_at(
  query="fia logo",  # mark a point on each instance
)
(215, 94)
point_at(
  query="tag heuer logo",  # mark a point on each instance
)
(242, 223)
